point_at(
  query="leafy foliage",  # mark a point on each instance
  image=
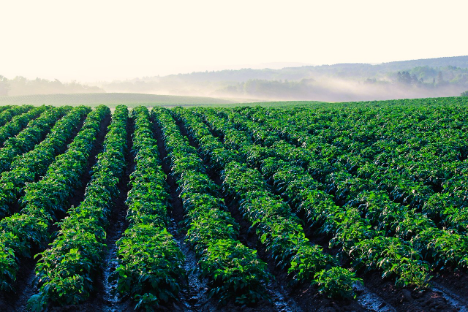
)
(386, 182)
(19, 121)
(319, 164)
(67, 269)
(30, 166)
(8, 112)
(234, 269)
(42, 199)
(336, 282)
(150, 266)
(30, 136)
(277, 227)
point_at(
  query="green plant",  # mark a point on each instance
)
(235, 271)
(336, 282)
(44, 198)
(150, 264)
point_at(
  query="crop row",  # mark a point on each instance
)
(8, 112)
(67, 269)
(277, 227)
(18, 122)
(30, 136)
(150, 264)
(28, 167)
(234, 269)
(30, 227)
(417, 154)
(4, 108)
(440, 246)
(346, 225)
(425, 240)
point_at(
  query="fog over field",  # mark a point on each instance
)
(253, 51)
(341, 82)
(436, 77)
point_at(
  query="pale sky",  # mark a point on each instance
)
(104, 40)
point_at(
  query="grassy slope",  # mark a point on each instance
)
(110, 99)
(136, 99)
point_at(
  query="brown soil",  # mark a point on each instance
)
(193, 294)
(405, 299)
(455, 281)
(102, 297)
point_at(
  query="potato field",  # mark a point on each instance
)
(324, 207)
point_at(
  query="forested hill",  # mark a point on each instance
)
(340, 70)
(438, 77)
(457, 61)
(425, 78)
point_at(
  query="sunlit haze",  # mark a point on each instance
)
(105, 40)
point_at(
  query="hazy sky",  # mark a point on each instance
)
(103, 40)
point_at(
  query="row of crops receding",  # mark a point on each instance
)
(349, 206)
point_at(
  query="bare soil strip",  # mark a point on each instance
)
(454, 283)
(194, 296)
(105, 297)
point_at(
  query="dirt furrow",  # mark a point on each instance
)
(380, 294)
(105, 298)
(453, 282)
(24, 283)
(366, 298)
(194, 296)
(458, 302)
(79, 193)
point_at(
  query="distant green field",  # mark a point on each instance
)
(361, 104)
(111, 99)
(137, 99)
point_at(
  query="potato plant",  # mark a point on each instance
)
(150, 264)
(42, 199)
(28, 167)
(20, 121)
(67, 269)
(8, 112)
(30, 136)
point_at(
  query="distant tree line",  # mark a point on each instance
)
(433, 77)
(406, 78)
(23, 86)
